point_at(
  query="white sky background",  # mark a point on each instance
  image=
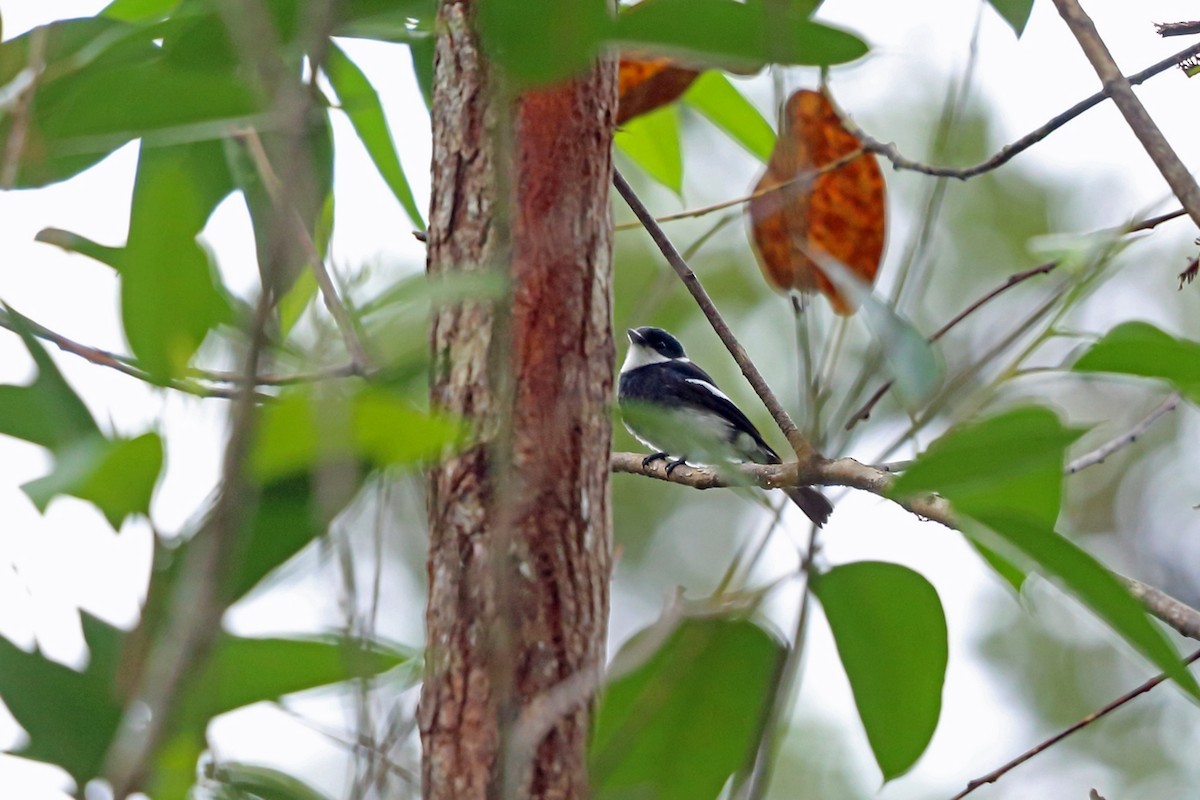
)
(70, 559)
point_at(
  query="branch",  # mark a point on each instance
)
(998, 773)
(1105, 450)
(800, 445)
(1182, 184)
(1006, 153)
(1177, 28)
(1013, 280)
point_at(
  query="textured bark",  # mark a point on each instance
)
(519, 526)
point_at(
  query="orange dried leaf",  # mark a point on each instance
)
(649, 83)
(799, 220)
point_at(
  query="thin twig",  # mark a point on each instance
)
(800, 181)
(999, 772)
(1105, 450)
(1012, 280)
(802, 447)
(1006, 153)
(333, 301)
(1176, 173)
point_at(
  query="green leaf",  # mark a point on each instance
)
(652, 142)
(421, 51)
(890, 631)
(116, 475)
(361, 104)
(138, 10)
(1090, 582)
(720, 101)
(540, 41)
(74, 122)
(385, 20)
(911, 361)
(374, 424)
(680, 724)
(169, 300)
(244, 670)
(729, 33)
(1015, 13)
(1138, 348)
(47, 411)
(286, 518)
(76, 243)
(71, 717)
(235, 780)
(1011, 463)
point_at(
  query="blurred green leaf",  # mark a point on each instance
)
(47, 411)
(138, 10)
(234, 780)
(1090, 582)
(651, 141)
(1015, 13)
(716, 98)
(540, 41)
(729, 33)
(1006, 473)
(385, 20)
(71, 717)
(245, 670)
(361, 104)
(169, 300)
(286, 518)
(1138, 348)
(680, 724)
(374, 423)
(75, 243)
(1011, 463)
(890, 631)
(421, 51)
(116, 475)
(911, 361)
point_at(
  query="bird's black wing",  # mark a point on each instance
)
(697, 388)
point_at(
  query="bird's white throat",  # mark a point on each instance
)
(641, 356)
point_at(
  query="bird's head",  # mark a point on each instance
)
(649, 345)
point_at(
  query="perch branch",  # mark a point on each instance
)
(1176, 173)
(800, 445)
(1177, 28)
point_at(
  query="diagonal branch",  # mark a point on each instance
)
(1105, 450)
(1117, 85)
(800, 445)
(1000, 772)
(1006, 153)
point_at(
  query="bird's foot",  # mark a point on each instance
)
(679, 462)
(650, 459)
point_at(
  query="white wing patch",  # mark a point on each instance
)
(714, 390)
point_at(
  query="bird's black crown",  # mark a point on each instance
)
(657, 340)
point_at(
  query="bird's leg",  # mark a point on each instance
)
(676, 463)
(650, 459)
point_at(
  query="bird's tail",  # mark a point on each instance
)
(814, 504)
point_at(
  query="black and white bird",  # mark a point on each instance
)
(675, 408)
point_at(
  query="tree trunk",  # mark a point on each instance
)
(520, 531)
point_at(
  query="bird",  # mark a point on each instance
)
(675, 408)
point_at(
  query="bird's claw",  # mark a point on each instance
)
(650, 459)
(679, 462)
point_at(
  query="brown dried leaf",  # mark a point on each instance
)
(649, 83)
(837, 215)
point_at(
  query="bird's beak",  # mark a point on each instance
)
(634, 337)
